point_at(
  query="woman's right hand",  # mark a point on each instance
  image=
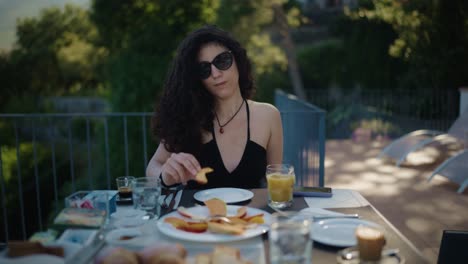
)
(180, 168)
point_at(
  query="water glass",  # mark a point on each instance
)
(280, 184)
(146, 193)
(290, 238)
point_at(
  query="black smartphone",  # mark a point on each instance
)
(313, 191)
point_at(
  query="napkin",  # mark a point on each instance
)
(312, 211)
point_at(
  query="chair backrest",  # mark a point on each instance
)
(304, 138)
(460, 126)
(453, 247)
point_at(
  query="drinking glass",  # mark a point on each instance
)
(290, 238)
(280, 183)
(146, 192)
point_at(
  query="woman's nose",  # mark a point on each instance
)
(215, 72)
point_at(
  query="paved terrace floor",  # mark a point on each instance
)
(421, 210)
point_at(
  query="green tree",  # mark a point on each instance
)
(431, 39)
(54, 55)
(254, 24)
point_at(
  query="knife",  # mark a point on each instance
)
(322, 217)
(177, 199)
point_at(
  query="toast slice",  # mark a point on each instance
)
(201, 175)
(216, 206)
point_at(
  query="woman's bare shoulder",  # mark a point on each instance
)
(263, 109)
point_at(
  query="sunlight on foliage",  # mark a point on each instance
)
(9, 160)
(407, 24)
(264, 54)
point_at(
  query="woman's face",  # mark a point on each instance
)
(222, 83)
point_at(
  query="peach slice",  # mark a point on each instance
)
(241, 212)
(185, 213)
(196, 227)
(257, 219)
(225, 229)
(201, 175)
(248, 218)
(176, 222)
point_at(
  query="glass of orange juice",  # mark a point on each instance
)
(280, 182)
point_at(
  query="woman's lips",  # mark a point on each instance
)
(221, 83)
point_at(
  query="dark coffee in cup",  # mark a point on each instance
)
(125, 192)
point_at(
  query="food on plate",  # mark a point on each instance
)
(241, 212)
(155, 254)
(370, 242)
(26, 248)
(195, 227)
(216, 206)
(163, 254)
(185, 213)
(217, 222)
(201, 175)
(221, 228)
(118, 256)
(221, 255)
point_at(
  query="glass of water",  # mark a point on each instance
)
(290, 238)
(146, 192)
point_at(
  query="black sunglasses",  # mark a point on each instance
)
(222, 62)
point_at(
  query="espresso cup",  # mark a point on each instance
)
(124, 186)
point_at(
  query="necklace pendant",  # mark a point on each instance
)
(221, 130)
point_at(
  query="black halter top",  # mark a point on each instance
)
(249, 173)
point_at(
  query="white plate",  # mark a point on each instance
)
(338, 232)
(228, 195)
(207, 236)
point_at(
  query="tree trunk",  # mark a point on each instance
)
(289, 48)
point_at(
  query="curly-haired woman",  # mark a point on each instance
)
(205, 117)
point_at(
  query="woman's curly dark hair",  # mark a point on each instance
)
(186, 107)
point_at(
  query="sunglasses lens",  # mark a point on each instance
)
(223, 61)
(204, 70)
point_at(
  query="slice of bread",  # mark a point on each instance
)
(217, 207)
(201, 175)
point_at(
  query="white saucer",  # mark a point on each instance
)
(123, 213)
(228, 195)
(338, 232)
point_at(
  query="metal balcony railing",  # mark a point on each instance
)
(46, 157)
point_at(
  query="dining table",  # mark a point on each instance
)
(343, 201)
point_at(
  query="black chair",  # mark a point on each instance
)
(453, 247)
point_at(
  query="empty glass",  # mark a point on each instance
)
(290, 238)
(146, 192)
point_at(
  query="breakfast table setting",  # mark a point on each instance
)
(254, 246)
(145, 222)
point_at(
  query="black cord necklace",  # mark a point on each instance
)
(221, 130)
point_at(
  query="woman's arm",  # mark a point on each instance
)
(173, 167)
(275, 143)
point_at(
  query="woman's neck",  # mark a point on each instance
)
(226, 108)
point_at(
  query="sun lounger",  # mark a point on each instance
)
(455, 169)
(400, 148)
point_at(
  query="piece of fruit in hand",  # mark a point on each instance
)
(201, 175)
